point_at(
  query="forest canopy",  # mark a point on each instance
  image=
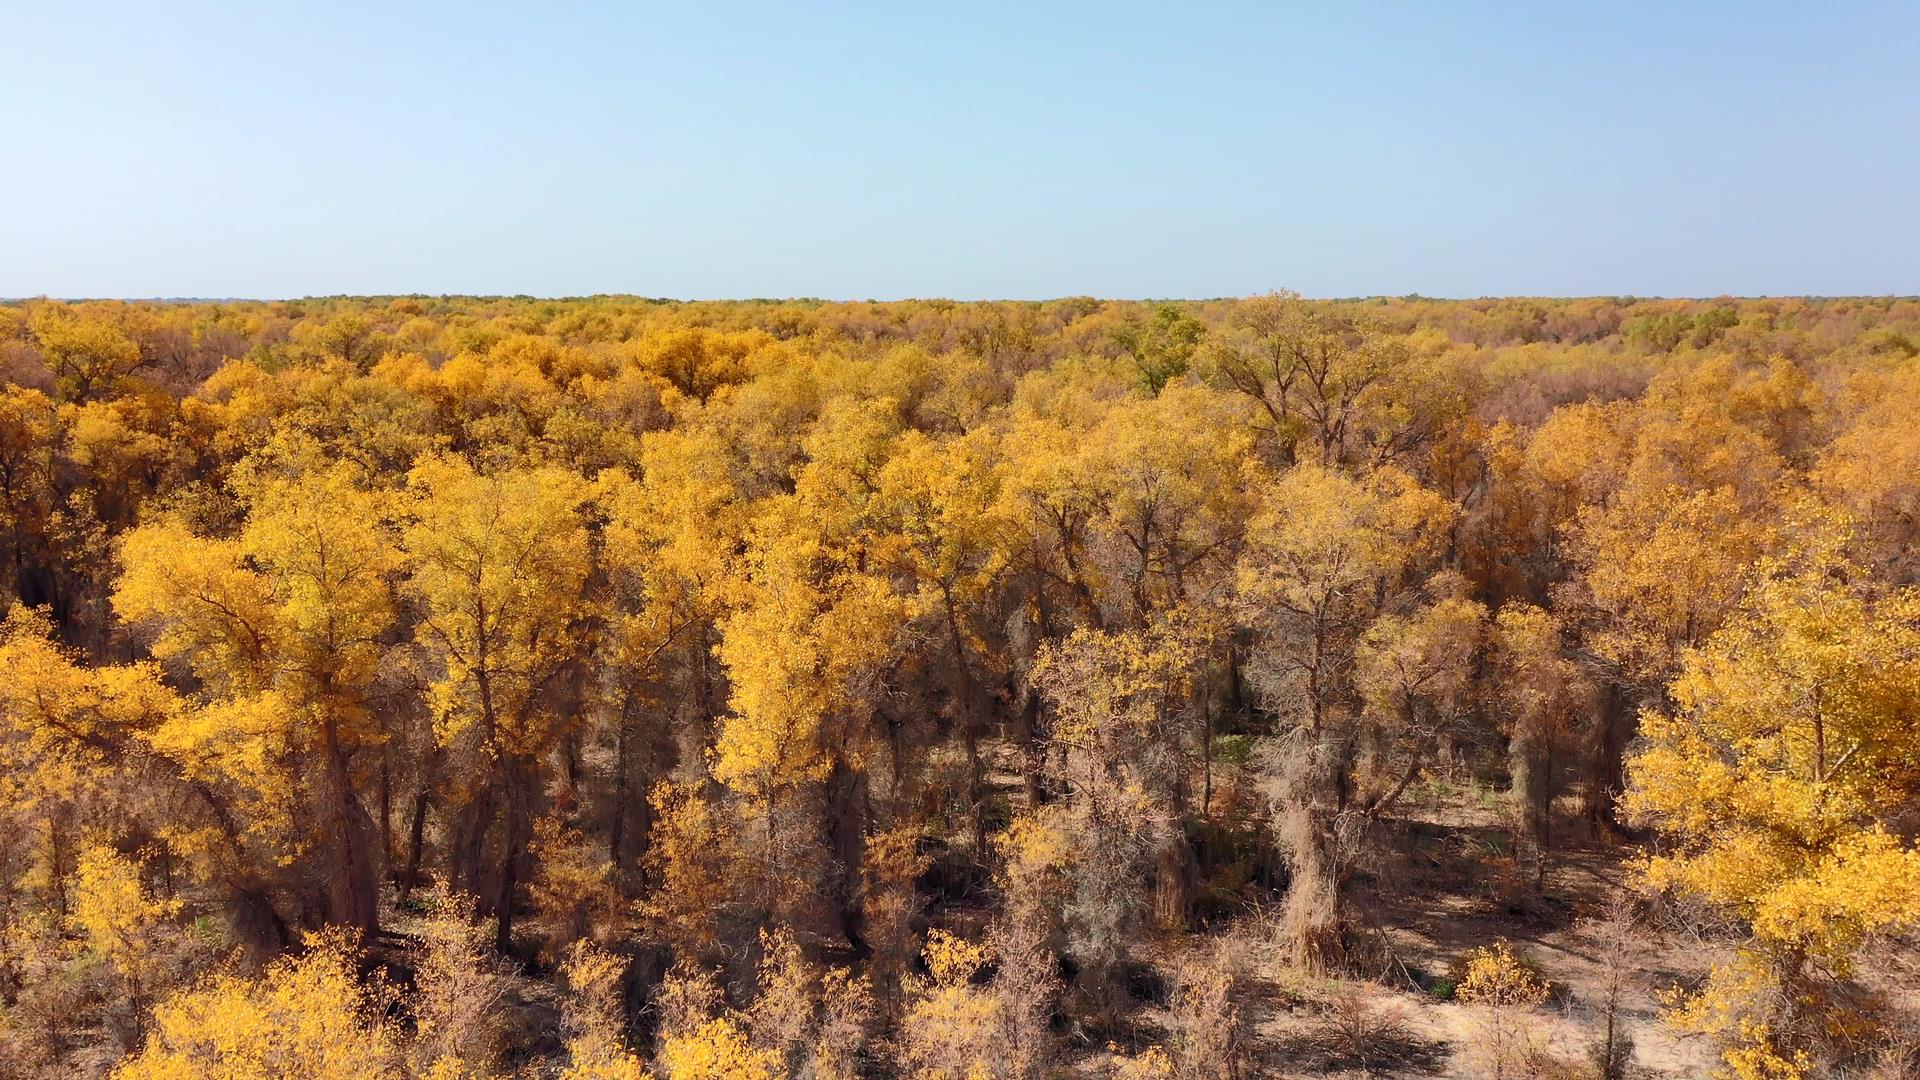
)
(609, 687)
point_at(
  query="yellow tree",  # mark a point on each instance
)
(113, 745)
(67, 734)
(1779, 778)
(284, 627)
(938, 503)
(85, 350)
(120, 923)
(28, 442)
(1659, 570)
(1873, 466)
(1175, 480)
(1330, 379)
(815, 629)
(1117, 697)
(498, 566)
(1318, 559)
(956, 1029)
(1539, 693)
(1414, 674)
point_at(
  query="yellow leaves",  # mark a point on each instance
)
(572, 888)
(1539, 688)
(1736, 1007)
(1134, 503)
(499, 565)
(1325, 537)
(245, 742)
(803, 646)
(1872, 466)
(953, 1027)
(1425, 657)
(113, 914)
(1788, 737)
(716, 1050)
(596, 1041)
(1148, 1064)
(307, 1016)
(63, 726)
(698, 360)
(691, 859)
(953, 961)
(1115, 686)
(121, 440)
(1492, 975)
(941, 499)
(1865, 884)
(781, 695)
(207, 605)
(1035, 850)
(1774, 776)
(322, 540)
(87, 352)
(620, 1066)
(1666, 567)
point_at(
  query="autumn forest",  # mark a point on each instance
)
(601, 688)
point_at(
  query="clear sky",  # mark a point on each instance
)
(695, 149)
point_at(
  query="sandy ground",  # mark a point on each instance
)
(1430, 909)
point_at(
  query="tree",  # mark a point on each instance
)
(955, 1030)
(1777, 778)
(86, 352)
(1540, 694)
(498, 569)
(1318, 558)
(1116, 696)
(458, 992)
(1415, 676)
(816, 627)
(941, 502)
(1163, 346)
(284, 625)
(595, 1020)
(1324, 376)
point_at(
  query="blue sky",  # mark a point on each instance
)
(965, 150)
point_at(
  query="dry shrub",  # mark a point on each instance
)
(40, 995)
(888, 904)
(1210, 1034)
(1312, 919)
(815, 1021)
(956, 1029)
(952, 1028)
(782, 1012)
(1026, 984)
(459, 985)
(1617, 936)
(846, 1012)
(1153, 1063)
(1899, 1059)
(1360, 1030)
(687, 998)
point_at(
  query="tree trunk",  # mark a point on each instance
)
(416, 839)
(1523, 767)
(354, 885)
(517, 837)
